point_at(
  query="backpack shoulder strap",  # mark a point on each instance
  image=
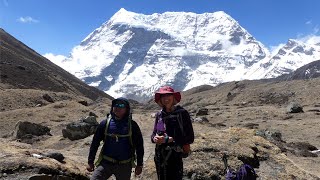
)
(158, 116)
(107, 126)
(180, 122)
(133, 158)
(130, 129)
(105, 137)
(178, 116)
(118, 135)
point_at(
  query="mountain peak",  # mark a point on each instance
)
(126, 17)
(130, 46)
(122, 10)
(292, 43)
(122, 16)
(221, 14)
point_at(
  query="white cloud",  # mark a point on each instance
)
(57, 59)
(316, 29)
(27, 19)
(310, 39)
(309, 22)
(274, 49)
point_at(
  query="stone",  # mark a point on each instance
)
(81, 129)
(270, 134)
(201, 119)
(48, 98)
(83, 102)
(55, 155)
(24, 129)
(294, 107)
(202, 112)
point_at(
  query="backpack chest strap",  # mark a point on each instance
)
(117, 136)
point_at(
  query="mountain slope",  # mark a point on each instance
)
(308, 71)
(23, 68)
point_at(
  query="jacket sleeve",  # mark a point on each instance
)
(138, 142)
(154, 132)
(97, 138)
(188, 128)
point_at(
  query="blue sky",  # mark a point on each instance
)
(56, 26)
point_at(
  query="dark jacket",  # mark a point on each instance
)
(99, 136)
(172, 127)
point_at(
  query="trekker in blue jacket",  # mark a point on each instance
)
(123, 144)
(172, 133)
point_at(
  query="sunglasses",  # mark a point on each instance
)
(166, 95)
(119, 105)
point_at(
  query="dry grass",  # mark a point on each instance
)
(254, 105)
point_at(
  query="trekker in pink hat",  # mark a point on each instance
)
(172, 133)
(167, 90)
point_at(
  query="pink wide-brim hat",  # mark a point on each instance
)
(167, 90)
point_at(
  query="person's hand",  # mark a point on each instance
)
(159, 139)
(90, 167)
(186, 148)
(138, 170)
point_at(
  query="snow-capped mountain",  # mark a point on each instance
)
(308, 71)
(288, 58)
(134, 54)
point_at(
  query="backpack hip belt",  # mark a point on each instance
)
(114, 161)
(169, 147)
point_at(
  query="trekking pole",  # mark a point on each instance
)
(158, 156)
(230, 174)
(164, 163)
(225, 161)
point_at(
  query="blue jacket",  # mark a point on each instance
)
(122, 149)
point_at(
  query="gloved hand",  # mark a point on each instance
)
(186, 150)
(138, 170)
(90, 167)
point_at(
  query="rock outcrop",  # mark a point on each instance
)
(24, 129)
(82, 129)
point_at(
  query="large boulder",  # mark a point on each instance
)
(25, 129)
(48, 98)
(82, 129)
(202, 112)
(272, 135)
(294, 107)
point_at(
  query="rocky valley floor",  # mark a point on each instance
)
(275, 142)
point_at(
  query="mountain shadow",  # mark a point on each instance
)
(135, 51)
(308, 71)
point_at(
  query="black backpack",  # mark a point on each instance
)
(180, 122)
